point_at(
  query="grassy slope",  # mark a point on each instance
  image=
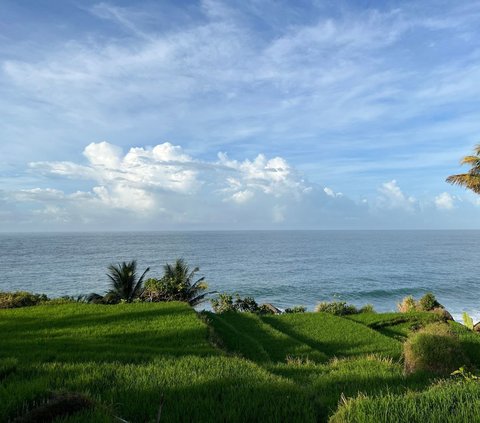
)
(395, 325)
(248, 335)
(126, 357)
(444, 403)
(335, 336)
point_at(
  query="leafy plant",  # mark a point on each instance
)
(177, 284)
(470, 180)
(407, 305)
(368, 308)
(467, 320)
(465, 375)
(296, 309)
(428, 302)
(226, 303)
(223, 303)
(21, 299)
(124, 284)
(338, 308)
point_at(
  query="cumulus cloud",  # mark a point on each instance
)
(272, 177)
(163, 186)
(445, 201)
(392, 197)
(164, 180)
(130, 181)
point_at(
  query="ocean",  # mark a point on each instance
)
(285, 268)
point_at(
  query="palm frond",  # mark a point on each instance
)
(466, 180)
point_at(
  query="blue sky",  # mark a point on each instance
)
(237, 115)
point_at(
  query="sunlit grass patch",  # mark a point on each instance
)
(86, 332)
(335, 336)
(446, 402)
(396, 325)
(254, 338)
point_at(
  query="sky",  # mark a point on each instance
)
(218, 115)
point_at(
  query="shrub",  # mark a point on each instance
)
(296, 309)
(468, 321)
(223, 303)
(428, 302)
(435, 349)
(368, 308)
(247, 304)
(21, 299)
(338, 308)
(407, 305)
(177, 284)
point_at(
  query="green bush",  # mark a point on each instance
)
(225, 303)
(338, 308)
(368, 308)
(296, 309)
(21, 299)
(428, 302)
(435, 349)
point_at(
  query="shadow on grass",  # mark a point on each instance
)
(193, 390)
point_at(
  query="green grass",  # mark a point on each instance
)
(470, 342)
(335, 336)
(452, 402)
(248, 335)
(371, 374)
(395, 325)
(193, 389)
(89, 332)
(127, 358)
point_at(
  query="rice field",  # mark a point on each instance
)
(138, 362)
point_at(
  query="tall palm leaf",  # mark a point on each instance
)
(124, 284)
(183, 278)
(470, 180)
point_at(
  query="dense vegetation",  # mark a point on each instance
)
(78, 362)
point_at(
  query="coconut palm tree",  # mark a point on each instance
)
(182, 278)
(470, 180)
(124, 284)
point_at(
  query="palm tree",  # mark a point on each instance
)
(470, 180)
(124, 284)
(123, 281)
(182, 278)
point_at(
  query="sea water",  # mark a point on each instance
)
(285, 268)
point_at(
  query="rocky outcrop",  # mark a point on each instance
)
(476, 327)
(443, 313)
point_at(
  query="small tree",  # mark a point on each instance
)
(177, 284)
(124, 284)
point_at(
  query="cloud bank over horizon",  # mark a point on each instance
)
(162, 187)
(279, 114)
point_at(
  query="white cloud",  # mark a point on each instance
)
(165, 180)
(130, 181)
(272, 177)
(393, 198)
(445, 201)
(331, 193)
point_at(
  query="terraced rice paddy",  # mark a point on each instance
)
(134, 361)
